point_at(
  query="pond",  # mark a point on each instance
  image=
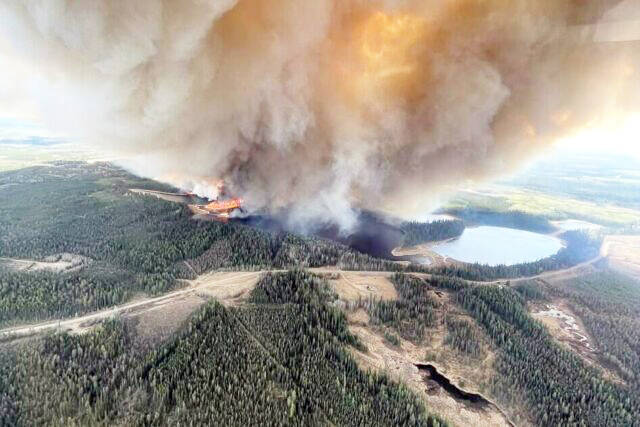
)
(499, 245)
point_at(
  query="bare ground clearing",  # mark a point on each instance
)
(423, 251)
(566, 327)
(156, 324)
(56, 263)
(353, 286)
(227, 287)
(170, 197)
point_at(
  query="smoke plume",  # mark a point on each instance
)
(321, 106)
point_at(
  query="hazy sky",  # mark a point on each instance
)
(21, 97)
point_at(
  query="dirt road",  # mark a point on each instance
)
(229, 287)
(206, 284)
(555, 274)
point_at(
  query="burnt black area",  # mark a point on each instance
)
(454, 391)
(373, 234)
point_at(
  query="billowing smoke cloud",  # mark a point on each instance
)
(319, 106)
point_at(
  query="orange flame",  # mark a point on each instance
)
(224, 206)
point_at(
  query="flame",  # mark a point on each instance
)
(224, 206)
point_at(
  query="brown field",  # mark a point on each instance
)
(55, 263)
(227, 287)
(623, 253)
(423, 251)
(565, 327)
(170, 197)
(353, 285)
(156, 324)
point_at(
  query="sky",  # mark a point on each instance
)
(620, 136)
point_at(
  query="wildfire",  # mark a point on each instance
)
(222, 206)
(219, 209)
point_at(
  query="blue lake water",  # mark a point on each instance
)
(499, 245)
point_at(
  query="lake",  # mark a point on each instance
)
(575, 224)
(499, 245)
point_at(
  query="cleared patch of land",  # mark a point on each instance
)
(623, 253)
(229, 287)
(157, 324)
(170, 197)
(566, 327)
(55, 263)
(422, 254)
(353, 286)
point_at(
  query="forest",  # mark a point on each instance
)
(142, 244)
(410, 315)
(135, 243)
(462, 335)
(271, 362)
(608, 304)
(416, 233)
(509, 219)
(275, 359)
(557, 386)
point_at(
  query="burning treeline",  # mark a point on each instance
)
(322, 105)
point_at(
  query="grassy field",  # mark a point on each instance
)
(18, 156)
(505, 198)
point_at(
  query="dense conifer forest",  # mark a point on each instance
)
(558, 387)
(509, 219)
(462, 335)
(416, 233)
(608, 304)
(283, 356)
(275, 361)
(133, 243)
(411, 314)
